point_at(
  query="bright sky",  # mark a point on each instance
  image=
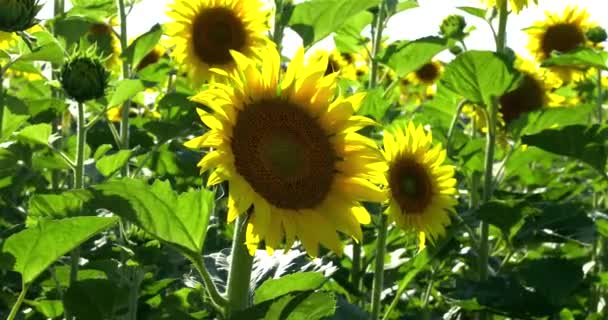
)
(411, 24)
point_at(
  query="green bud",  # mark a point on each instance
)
(18, 15)
(597, 34)
(84, 78)
(453, 27)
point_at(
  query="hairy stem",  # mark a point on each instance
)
(240, 268)
(18, 303)
(216, 298)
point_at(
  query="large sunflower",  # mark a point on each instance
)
(205, 31)
(422, 189)
(290, 152)
(561, 33)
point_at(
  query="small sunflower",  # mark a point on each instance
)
(422, 189)
(336, 62)
(561, 33)
(516, 5)
(290, 153)
(427, 75)
(107, 43)
(152, 57)
(205, 31)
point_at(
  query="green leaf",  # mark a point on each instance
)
(582, 57)
(94, 10)
(315, 306)
(348, 39)
(585, 143)
(602, 226)
(478, 12)
(478, 76)
(37, 134)
(408, 56)
(406, 5)
(49, 308)
(34, 249)
(143, 45)
(177, 219)
(95, 299)
(553, 278)
(108, 165)
(57, 206)
(549, 118)
(12, 119)
(374, 105)
(125, 90)
(316, 19)
(274, 288)
(48, 49)
(504, 214)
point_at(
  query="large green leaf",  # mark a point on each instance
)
(125, 90)
(316, 19)
(554, 278)
(549, 118)
(34, 249)
(317, 305)
(375, 104)
(348, 38)
(408, 56)
(274, 288)
(37, 134)
(48, 49)
(504, 214)
(143, 45)
(177, 219)
(56, 206)
(478, 76)
(585, 143)
(108, 165)
(582, 57)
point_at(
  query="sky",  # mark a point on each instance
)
(408, 25)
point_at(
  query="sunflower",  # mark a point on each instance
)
(107, 43)
(427, 75)
(422, 189)
(336, 62)
(516, 5)
(562, 34)
(290, 153)
(151, 58)
(205, 31)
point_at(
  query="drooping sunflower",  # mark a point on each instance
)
(561, 33)
(290, 152)
(422, 188)
(516, 5)
(205, 31)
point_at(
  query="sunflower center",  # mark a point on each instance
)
(215, 32)
(529, 96)
(284, 154)
(562, 37)
(332, 66)
(428, 73)
(411, 186)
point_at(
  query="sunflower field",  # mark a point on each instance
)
(209, 168)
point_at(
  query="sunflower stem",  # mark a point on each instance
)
(216, 298)
(18, 303)
(600, 97)
(356, 269)
(240, 269)
(124, 118)
(1, 101)
(379, 266)
(501, 39)
(279, 25)
(376, 42)
(448, 143)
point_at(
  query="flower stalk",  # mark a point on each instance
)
(18, 303)
(240, 269)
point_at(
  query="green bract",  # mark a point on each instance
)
(453, 27)
(84, 78)
(597, 34)
(18, 15)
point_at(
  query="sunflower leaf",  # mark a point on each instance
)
(143, 45)
(274, 288)
(407, 56)
(585, 143)
(125, 90)
(179, 219)
(34, 249)
(478, 76)
(314, 20)
(582, 57)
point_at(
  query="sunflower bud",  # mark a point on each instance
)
(597, 34)
(18, 15)
(453, 27)
(84, 78)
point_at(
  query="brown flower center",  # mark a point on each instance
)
(562, 37)
(411, 186)
(428, 73)
(102, 35)
(215, 32)
(332, 66)
(284, 154)
(529, 96)
(150, 59)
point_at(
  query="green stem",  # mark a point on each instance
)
(600, 98)
(448, 143)
(501, 39)
(124, 118)
(379, 266)
(59, 7)
(240, 268)
(217, 299)
(277, 36)
(377, 41)
(18, 303)
(491, 116)
(1, 101)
